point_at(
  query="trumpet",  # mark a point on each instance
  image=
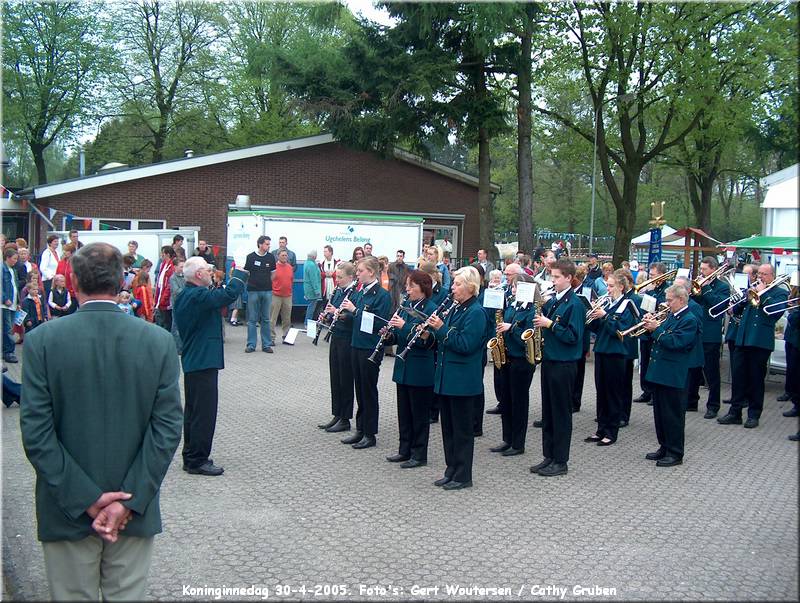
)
(779, 307)
(639, 329)
(754, 297)
(602, 302)
(699, 283)
(656, 280)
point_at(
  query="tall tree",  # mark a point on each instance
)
(166, 48)
(633, 56)
(51, 58)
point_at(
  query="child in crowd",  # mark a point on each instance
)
(495, 279)
(143, 292)
(60, 300)
(34, 305)
(124, 302)
(128, 271)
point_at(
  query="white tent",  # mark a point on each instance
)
(645, 238)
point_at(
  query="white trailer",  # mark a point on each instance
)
(309, 229)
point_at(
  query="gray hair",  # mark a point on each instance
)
(191, 266)
(312, 255)
(98, 269)
(679, 291)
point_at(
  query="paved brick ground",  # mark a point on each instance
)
(297, 508)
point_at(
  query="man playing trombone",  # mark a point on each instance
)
(755, 341)
(708, 291)
(667, 373)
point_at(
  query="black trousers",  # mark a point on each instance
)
(580, 376)
(750, 371)
(479, 406)
(436, 404)
(163, 319)
(558, 379)
(459, 443)
(609, 371)
(516, 382)
(341, 370)
(669, 412)
(199, 415)
(709, 371)
(645, 345)
(627, 394)
(413, 412)
(792, 386)
(365, 374)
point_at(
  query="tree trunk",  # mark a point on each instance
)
(485, 208)
(37, 150)
(159, 140)
(626, 217)
(524, 129)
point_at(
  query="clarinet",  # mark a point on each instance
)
(376, 356)
(347, 293)
(421, 327)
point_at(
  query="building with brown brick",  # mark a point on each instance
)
(314, 172)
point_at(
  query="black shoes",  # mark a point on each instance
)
(356, 437)
(751, 423)
(729, 419)
(442, 481)
(655, 456)
(330, 423)
(576, 409)
(501, 448)
(592, 438)
(208, 468)
(10, 358)
(412, 463)
(340, 425)
(792, 412)
(710, 414)
(268, 350)
(451, 485)
(553, 469)
(397, 458)
(494, 411)
(784, 397)
(365, 442)
(538, 424)
(794, 437)
(691, 409)
(604, 443)
(513, 452)
(669, 461)
(540, 466)
(477, 434)
(645, 397)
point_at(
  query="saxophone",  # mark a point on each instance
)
(533, 339)
(496, 345)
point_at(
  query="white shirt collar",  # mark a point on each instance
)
(368, 287)
(560, 295)
(679, 312)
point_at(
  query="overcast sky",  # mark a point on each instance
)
(366, 9)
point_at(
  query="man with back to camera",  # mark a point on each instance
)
(100, 446)
(197, 311)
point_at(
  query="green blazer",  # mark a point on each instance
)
(418, 367)
(671, 356)
(104, 417)
(757, 328)
(461, 344)
(710, 295)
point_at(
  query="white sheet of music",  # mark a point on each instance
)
(291, 336)
(525, 293)
(682, 272)
(311, 329)
(367, 322)
(648, 303)
(493, 298)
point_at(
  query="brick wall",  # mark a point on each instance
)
(326, 176)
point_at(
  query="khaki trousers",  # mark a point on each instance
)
(80, 570)
(280, 306)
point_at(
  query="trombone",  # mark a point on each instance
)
(699, 283)
(754, 297)
(657, 280)
(779, 307)
(639, 329)
(736, 297)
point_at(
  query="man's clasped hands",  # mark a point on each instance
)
(109, 515)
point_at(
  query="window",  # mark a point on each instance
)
(77, 223)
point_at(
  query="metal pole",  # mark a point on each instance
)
(594, 176)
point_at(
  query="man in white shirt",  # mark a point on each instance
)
(483, 260)
(328, 269)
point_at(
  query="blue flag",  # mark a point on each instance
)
(654, 255)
